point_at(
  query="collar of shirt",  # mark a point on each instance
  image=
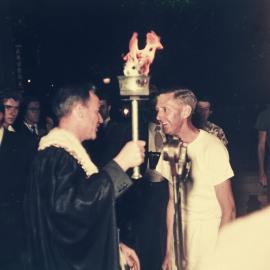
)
(11, 128)
(1, 134)
(31, 127)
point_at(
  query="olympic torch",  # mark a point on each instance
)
(135, 82)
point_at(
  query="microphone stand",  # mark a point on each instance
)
(175, 153)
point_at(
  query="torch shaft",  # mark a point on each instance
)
(135, 131)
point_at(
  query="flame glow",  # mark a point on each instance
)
(138, 61)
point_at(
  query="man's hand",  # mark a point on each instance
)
(166, 265)
(131, 155)
(226, 201)
(130, 257)
(263, 179)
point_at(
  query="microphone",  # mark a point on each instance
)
(182, 158)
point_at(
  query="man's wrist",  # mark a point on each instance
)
(121, 163)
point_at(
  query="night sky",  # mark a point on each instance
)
(218, 48)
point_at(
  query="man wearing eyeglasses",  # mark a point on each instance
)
(11, 101)
(12, 164)
(31, 114)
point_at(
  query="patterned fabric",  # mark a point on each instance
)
(156, 138)
(215, 130)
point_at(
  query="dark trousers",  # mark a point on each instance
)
(12, 243)
(150, 228)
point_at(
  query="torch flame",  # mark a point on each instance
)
(138, 61)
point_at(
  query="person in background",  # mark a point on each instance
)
(28, 127)
(11, 198)
(50, 123)
(112, 134)
(207, 201)
(203, 111)
(31, 118)
(263, 127)
(11, 101)
(70, 203)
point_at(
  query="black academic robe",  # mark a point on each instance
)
(71, 219)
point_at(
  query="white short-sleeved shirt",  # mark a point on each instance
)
(210, 167)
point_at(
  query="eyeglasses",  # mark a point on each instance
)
(10, 107)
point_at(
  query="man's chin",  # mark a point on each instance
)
(9, 123)
(167, 131)
(93, 137)
(90, 138)
(6, 125)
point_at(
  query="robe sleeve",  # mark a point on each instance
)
(120, 179)
(73, 196)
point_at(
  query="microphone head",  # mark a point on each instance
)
(182, 158)
(171, 150)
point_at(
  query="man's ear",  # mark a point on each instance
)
(187, 110)
(78, 111)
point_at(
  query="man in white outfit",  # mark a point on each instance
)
(209, 202)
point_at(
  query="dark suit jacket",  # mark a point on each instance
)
(10, 166)
(11, 197)
(27, 135)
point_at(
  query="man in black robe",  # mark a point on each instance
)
(69, 203)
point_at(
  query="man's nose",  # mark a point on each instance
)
(159, 116)
(13, 110)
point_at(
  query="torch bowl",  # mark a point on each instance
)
(134, 85)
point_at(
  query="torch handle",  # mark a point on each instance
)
(135, 131)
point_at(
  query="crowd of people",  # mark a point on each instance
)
(67, 200)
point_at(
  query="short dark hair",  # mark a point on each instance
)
(27, 100)
(205, 99)
(66, 96)
(8, 94)
(184, 94)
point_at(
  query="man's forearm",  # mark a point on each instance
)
(226, 202)
(261, 152)
(227, 217)
(261, 155)
(170, 221)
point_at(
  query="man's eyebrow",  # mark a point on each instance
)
(10, 106)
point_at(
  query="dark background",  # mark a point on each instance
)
(218, 48)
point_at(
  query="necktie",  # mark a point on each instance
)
(33, 129)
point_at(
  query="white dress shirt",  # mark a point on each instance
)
(33, 128)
